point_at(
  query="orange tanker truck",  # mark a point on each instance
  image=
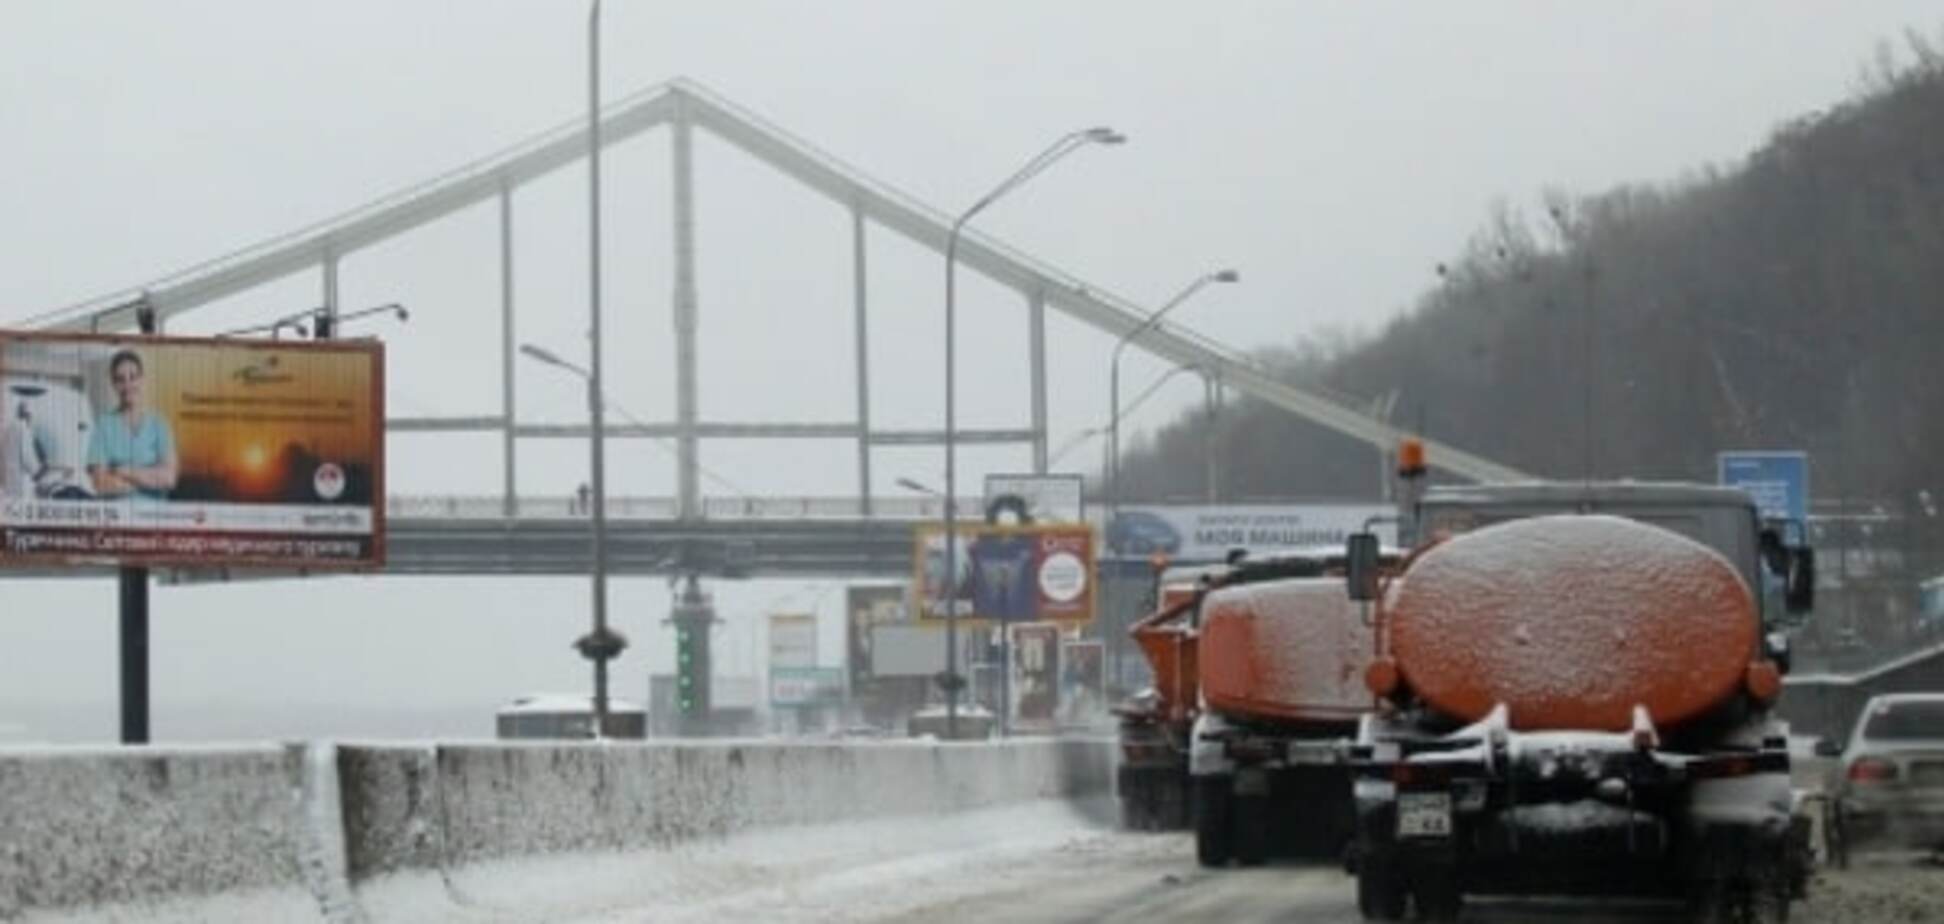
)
(1257, 690)
(1152, 780)
(1573, 687)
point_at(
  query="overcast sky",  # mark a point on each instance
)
(1333, 153)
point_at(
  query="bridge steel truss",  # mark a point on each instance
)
(684, 106)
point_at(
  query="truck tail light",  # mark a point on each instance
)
(1872, 770)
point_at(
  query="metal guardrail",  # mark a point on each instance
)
(494, 507)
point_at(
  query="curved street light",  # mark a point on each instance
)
(601, 644)
(1114, 411)
(1075, 441)
(1066, 144)
(1113, 382)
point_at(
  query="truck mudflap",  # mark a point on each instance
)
(1152, 780)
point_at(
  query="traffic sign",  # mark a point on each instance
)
(1777, 480)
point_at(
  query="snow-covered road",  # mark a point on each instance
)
(1048, 863)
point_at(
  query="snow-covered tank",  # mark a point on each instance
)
(1570, 622)
(1290, 650)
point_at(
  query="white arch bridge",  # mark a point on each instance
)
(862, 535)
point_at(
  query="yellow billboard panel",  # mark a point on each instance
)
(154, 450)
(1009, 574)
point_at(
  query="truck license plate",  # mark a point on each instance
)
(1424, 814)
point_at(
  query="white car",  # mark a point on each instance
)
(1890, 779)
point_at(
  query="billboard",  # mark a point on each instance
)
(1208, 533)
(792, 640)
(1778, 481)
(1048, 498)
(805, 686)
(149, 450)
(1008, 573)
(1035, 676)
(907, 650)
(867, 606)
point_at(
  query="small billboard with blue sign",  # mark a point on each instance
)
(1777, 480)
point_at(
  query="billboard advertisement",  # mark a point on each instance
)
(792, 640)
(1008, 573)
(1047, 498)
(907, 650)
(149, 450)
(1208, 533)
(867, 606)
(1035, 676)
(805, 686)
(1777, 480)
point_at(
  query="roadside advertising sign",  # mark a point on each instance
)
(1777, 480)
(907, 650)
(804, 686)
(1048, 498)
(1190, 534)
(1035, 684)
(867, 606)
(792, 640)
(1008, 573)
(176, 451)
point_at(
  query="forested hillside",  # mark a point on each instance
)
(1792, 300)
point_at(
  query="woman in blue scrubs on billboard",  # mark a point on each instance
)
(132, 452)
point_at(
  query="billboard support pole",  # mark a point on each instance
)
(134, 628)
(1005, 679)
(134, 655)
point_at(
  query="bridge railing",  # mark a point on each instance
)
(493, 506)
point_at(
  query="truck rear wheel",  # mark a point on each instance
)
(1437, 894)
(1135, 799)
(1250, 828)
(1741, 901)
(1380, 890)
(1214, 813)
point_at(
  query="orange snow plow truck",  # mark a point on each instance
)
(1257, 692)
(1574, 685)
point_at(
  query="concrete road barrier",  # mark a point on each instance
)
(146, 830)
(425, 808)
(292, 833)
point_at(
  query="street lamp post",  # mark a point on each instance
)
(1114, 415)
(1067, 144)
(600, 645)
(1075, 441)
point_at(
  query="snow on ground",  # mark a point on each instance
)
(812, 873)
(1895, 888)
(1043, 862)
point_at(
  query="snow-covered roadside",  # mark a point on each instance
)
(1897, 888)
(810, 873)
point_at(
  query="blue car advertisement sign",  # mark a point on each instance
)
(1208, 534)
(1777, 480)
